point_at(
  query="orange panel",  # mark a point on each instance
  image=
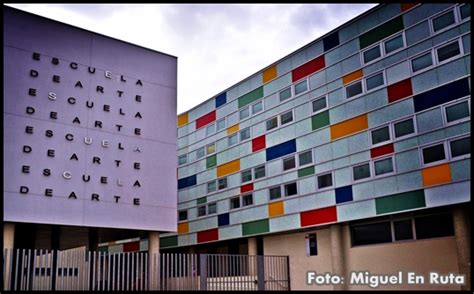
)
(228, 168)
(349, 126)
(352, 76)
(276, 209)
(232, 129)
(183, 228)
(269, 74)
(435, 175)
(182, 119)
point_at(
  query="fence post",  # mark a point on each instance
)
(288, 272)
(203, 271)
(261, 272)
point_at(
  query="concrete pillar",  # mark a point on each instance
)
(8, 241)
(153, 260)
(252, 250)
(252, 245)
(463, 243)
(337, 254)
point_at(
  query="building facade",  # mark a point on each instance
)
(350, 154)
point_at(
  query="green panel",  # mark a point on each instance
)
(380, 32)
(306, 171)
(169, 241)
(320, 120)
(402, 201)
(201, 200)
(211, 161)
(251, 97)
(256, 227)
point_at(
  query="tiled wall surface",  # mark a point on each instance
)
(371, 119)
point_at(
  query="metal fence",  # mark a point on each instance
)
(28, 269)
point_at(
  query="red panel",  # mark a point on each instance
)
(209, 235)
(308, 68)
(246, 188)
(399, 90)
(318, 216)
(382, 150)
(406, 6)
(131, 247)
(258, 143)
(206, 119)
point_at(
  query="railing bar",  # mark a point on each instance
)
(145, 264)
(109, 265)
(136, 270)
(5, 255)
(28, 261)
(10, 276)
(76, 270)
(41, 264)
(33, 278)
(133, 273)
(120, 285)
(22, 268)
(94, 265)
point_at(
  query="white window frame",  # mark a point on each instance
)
(285, 112)
(239, 137)
(431, 25)
(226, 184)
(378, 44)
(277, 124)
(294, 95)
(283, 163)
(242, 200)
(325, 97)
(459, 13)
(187, 216)
(378, 87)
(394, 168)
(404, 41)
(283, 196)
(381, 45)
(452, 103)
(264, 168)
(384, 142)
(252, 113)
(362, 84)
(249, 111)
(251, 176)
(415, 128)
(207, 186)
(298, 163)
(213, 132)
(207, 153)
(363, 179)
(446, 155)
(461, 51)
(207, 208)
(225, 124)
(433, 62)
(230, 203)
(185, 161)
(291, 94)
(197, 152)
(328, 187)
(231, 135)
(460, 157)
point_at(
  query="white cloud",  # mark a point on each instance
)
(217, 45)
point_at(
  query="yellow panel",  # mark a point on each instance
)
(183, 228)
(276, 209)
(232, 129)
(182, 119)
(228, 168)
(352, 76)
(435, 175)
(269, 74)
(349, 126)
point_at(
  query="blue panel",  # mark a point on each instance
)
(343, 194)
(331, 41)
(187, 182)
(441, 95)
(281, 149)
(223, 219)
(221, 99)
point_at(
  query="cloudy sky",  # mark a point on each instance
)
(217, 45)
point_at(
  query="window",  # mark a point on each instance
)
(222, 183)
(211, 148)
(380, 135)
(460, 147)
(272, 123)
(220, 124)
(286, 117)
(443, 21)
(211, 187)
(374, 81)
(211, 208)
(210, 129)
(182, 215)
(465, 11)
(244, 113)
(372, 54)
(383, 166)
(275, 193)
(371, 234)
(311, 245)
(289, 163)
(361, 171)
(457, 111)
(403, 230)
(448, 51)
(433, 153)
(422, 62)
(257, 107)
(201, 152)
(434, 226)
(291, 189)
(354, 89)
(319, 104)
(301, 87)
(245, 134)
(232, 139)
(325, 181)
(246, 175)
(404, 128)
(247, 200)
(393, 44)
(285, 94)
(234, 202)
(259, 172)
(305, 158)
(201, 210)
(182, 159)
